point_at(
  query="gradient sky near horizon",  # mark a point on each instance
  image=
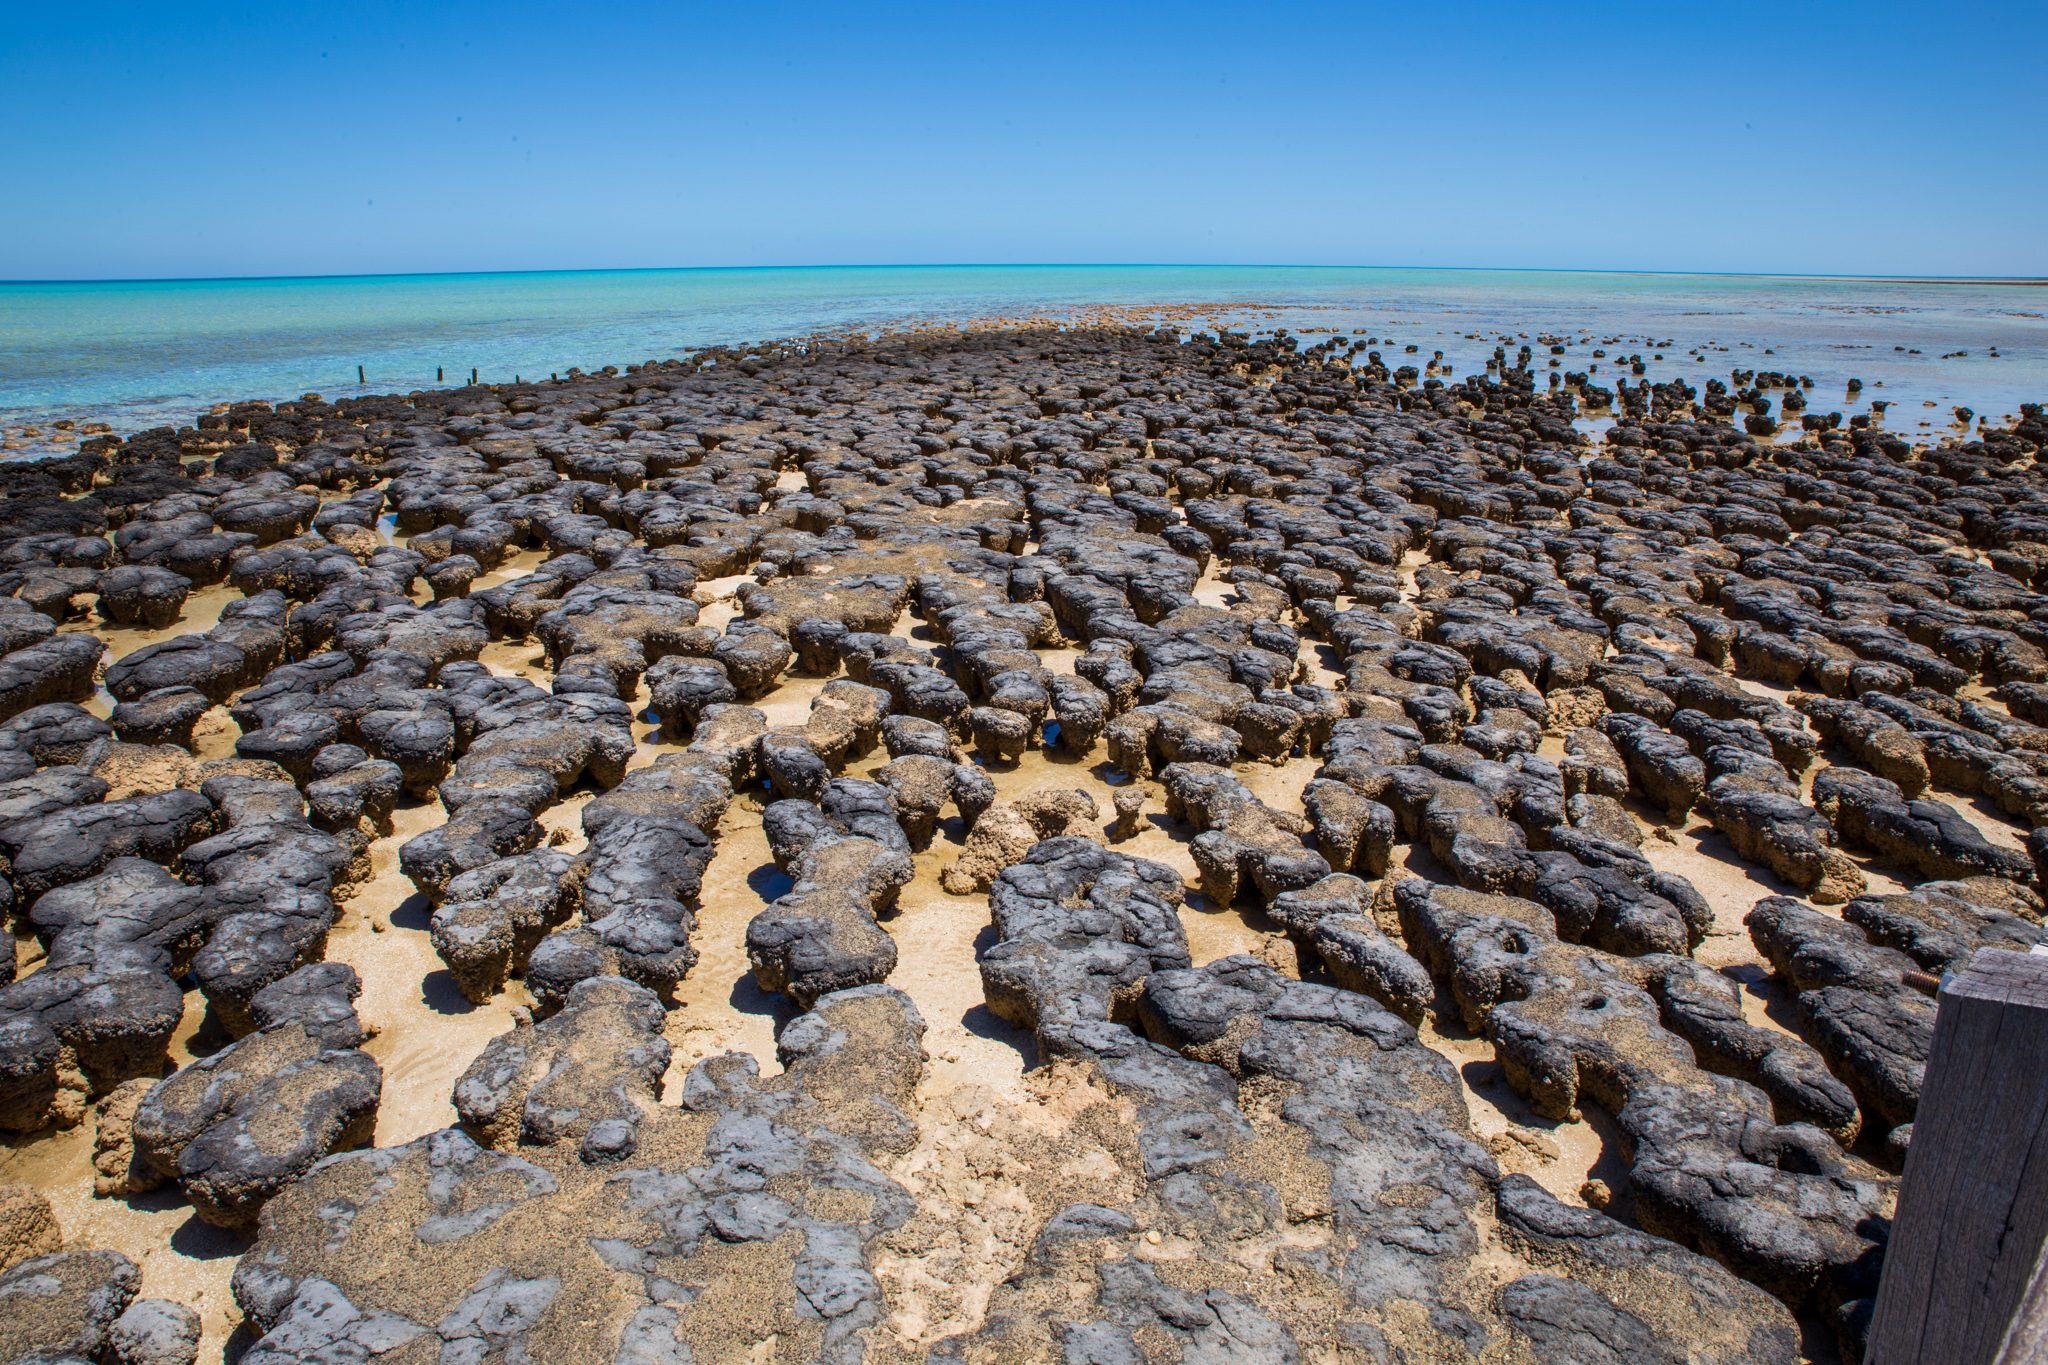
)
(152, 140)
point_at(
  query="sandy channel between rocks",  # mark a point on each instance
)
(426, 1034)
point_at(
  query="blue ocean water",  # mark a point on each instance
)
(141, 353)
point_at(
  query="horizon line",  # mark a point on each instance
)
(2008, 280)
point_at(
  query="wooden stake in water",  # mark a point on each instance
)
(437, 374)
(359, 374)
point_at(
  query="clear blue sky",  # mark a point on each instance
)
(152, 139)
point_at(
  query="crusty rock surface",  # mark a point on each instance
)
(588, 1075)
(236, 1127)
(155, 1332)
(1005, 832)
(1431, 726)
(28, 1227)
(847, 859)
(60, 1306)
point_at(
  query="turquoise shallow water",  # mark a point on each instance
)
(138, 353)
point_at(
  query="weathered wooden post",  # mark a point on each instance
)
(1973, 1205)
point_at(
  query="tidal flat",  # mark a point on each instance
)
(1123, 840)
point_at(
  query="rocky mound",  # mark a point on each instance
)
(1415, 675)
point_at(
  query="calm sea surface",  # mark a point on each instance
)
(141, 353)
